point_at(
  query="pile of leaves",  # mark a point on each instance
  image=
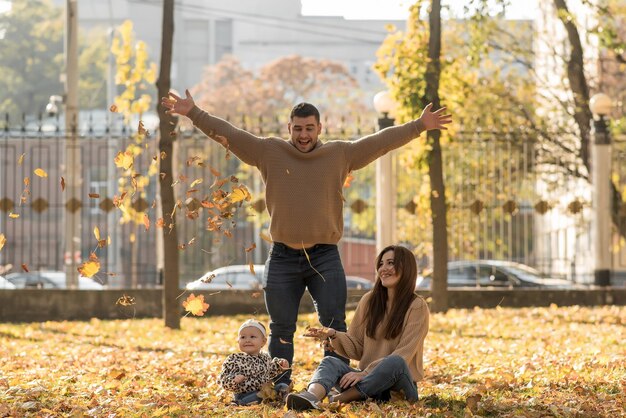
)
(532, 362)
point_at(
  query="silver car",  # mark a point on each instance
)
(237, 277)
(494, 273)
(50, 280)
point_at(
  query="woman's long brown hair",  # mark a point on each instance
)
(406, 267)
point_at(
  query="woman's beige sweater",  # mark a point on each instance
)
(409, 345)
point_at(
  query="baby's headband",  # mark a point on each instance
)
(253, 323)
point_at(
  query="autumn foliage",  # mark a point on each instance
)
(532, 362)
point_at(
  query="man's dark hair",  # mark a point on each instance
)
(303, 110)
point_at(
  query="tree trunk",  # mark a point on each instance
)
(435, 168)
(171, 310)
(582, 113)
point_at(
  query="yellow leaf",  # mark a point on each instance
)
(89, 268)
(96, 232)
(41, 172)
(21, 159)
(14, 215)
(124, 160)
(3, 241)
(239, 193)
(195, 305)
(146, 221)
(195, 182)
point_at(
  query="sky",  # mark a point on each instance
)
(397, 9)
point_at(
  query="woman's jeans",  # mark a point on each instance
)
(391, 374)
(288, 272)
(248, 398)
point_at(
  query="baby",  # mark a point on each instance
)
(244, 373)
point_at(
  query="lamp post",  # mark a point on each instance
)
(600, 106)
(72, 150)
(385, 178)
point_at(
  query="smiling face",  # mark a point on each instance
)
(386, 269)
(304, 132)
(251, 340)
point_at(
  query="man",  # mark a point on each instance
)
(303, 191)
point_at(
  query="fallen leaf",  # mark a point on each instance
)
(195, 305)
(41, 172)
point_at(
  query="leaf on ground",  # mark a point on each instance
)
(195, 305)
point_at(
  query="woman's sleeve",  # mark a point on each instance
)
(246, 146)
(350, 343)
(227, 376)
(412, 336)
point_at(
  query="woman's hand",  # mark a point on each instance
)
(283, 363)
(436, 119)
(350, 379)
(178, 105)
(320, 333)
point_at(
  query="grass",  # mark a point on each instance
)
(532, 362)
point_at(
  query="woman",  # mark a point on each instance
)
(386, 336)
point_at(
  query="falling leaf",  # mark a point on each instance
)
(94, 195)
(195, 305)
(348, 181)
(208, 279)
(250, 248)
(3, 241)
(159, 223)
(251, 265)
(141, 129)
(21, 159)
(113, 108)
(195, 182)
(62, 184)
(214, 172)
(96, 232)
(14, 215)
(26, 181)
(41, 172)
(25, 267)
(146, 221)
(124, 160)
(125, 300)
(283, 341)
(239, 194)
(91, 267)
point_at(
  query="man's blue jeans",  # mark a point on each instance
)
(288, 272)
(391, 374)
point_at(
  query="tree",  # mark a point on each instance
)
(171, 309)
(29, 79)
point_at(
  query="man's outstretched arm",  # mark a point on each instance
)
(246, 146)
(367, 149)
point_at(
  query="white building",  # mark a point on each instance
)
(256, 32)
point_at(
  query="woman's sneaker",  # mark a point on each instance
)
(302, 401)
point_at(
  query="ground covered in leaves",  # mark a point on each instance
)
(533, 362)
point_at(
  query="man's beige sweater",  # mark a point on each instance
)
(303, 191)
(409, 345)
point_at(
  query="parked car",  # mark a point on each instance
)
(355, 282)
(238, 277)
(494, 273)
(5, 284)
(49, 280)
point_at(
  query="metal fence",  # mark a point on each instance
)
(500, 205)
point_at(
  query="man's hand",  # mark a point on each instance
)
(178, 105)
(436, 119)
(239, 378)
(350, 379)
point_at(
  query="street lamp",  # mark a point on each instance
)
(600, 105)
(385, 178)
